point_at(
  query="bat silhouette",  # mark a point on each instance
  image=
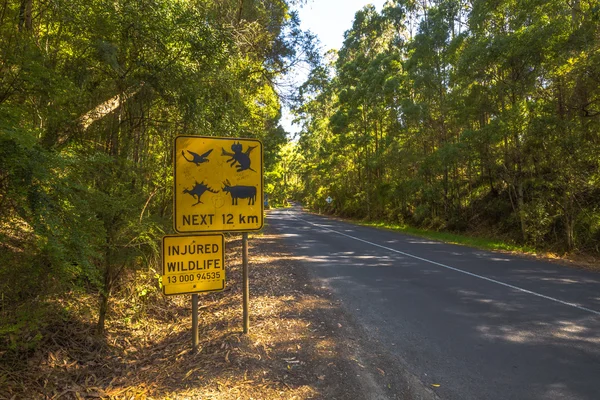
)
(239, 157)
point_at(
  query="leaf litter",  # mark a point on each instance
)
(148, 355)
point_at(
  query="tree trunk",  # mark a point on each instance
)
(520, 203)
(575, 12)
(104, 297)
(569, 221)
(239, 14)
(25, 15)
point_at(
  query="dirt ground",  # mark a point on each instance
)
(300, 344)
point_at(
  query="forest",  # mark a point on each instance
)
(477, 117)
(92, 96)
(480, 117)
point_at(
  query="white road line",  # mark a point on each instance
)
(453, 268)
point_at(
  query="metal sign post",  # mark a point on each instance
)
(246, 281)
(195, 321)
(192, 264)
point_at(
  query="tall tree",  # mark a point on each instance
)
(465, 115)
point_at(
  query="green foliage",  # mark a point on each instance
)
(21, 332)
(281, 183)
(461, 115)
(92, 95)
(448, 237)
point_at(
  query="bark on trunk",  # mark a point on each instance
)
(25, 12)
(104, 297)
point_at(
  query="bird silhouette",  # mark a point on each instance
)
(196, 158)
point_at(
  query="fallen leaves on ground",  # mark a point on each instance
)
(146, 351)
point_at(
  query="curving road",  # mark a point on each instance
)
(479, 324)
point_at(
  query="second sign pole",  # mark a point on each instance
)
(195, 321)
(245, 278)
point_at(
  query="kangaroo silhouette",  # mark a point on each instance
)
(196, 158)
(198, 190)
(240, 192)
(242, 158)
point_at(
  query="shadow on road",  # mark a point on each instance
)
(476, 338)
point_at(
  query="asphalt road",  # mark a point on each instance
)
(479, 324)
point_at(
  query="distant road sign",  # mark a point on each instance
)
(218, 184)
(328, 200)
(193, 263)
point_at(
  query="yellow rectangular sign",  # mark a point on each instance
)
(218, 184)
(193, 263)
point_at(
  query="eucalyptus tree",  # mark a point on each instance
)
(367, 101)
(465, 114)
(429, 112)
(321, 156)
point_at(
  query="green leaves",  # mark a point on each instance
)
(92, 94)
(481, 115)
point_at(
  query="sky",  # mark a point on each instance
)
(328, 19)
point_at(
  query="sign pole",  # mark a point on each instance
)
(245, 278)
(195, 321)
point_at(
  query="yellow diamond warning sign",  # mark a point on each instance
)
(193, 263)
(218, 184)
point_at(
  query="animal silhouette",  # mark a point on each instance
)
(198, 190)
(196, 158)
(240, 192)
(239, 157)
